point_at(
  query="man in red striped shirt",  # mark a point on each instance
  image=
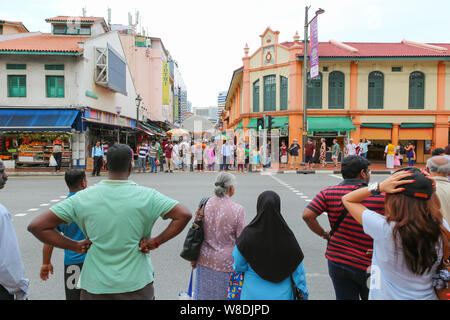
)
(349, 249)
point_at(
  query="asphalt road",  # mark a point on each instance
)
(26, 197)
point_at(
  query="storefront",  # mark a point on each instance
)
(420, 135)
(27, 135)
(330, 128)
(379, 135)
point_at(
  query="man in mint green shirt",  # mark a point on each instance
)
(117, 216)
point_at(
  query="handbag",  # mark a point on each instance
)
(194, 239)
(441, 279)
(235, 286)
(298, 294)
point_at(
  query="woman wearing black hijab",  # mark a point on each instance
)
(269, 254)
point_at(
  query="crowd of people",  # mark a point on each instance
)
(389, 232)
(167, 155)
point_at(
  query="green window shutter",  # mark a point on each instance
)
(17, 86)
(314, 92)
(376, 90)
(416, 90)
(283, 93)
(16, 66)
(54, 67)
(336, 90)
(256, 96)
(270, 93)
(55, 87)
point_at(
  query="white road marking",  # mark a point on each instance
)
(33, 209)
(55, 200)
(20, 214)
(44, 204)
(63, 197)
(335, 176)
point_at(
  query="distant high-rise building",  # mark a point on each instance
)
(221, 103)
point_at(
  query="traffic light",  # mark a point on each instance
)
(260, 124)
(271, 123)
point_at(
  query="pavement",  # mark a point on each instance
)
(27, 197)
(375, 168)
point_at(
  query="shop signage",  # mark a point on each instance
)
(376, 133)
(415, 134)
(166, 84)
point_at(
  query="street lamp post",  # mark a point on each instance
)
(305, 74)
(138, 104)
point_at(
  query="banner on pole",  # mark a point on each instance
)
(314, 52)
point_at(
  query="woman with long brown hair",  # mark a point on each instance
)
(407, 240)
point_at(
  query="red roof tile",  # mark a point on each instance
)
(44, 42)
(375, 49)
(68, 18)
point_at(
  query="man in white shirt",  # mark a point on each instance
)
(351, 148)
(13, 285)
(439, 169)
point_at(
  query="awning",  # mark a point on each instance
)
(417, 125)
(252, 124)
(153, 129)
(146, 130)
(37, 119)
(330, 124)
(239, 126)
(377, 125)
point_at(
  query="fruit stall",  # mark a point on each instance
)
(26, 150)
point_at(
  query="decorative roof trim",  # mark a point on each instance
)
(344, 46)
(424, 46)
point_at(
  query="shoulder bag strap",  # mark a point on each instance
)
(446, 245)
(339, 221)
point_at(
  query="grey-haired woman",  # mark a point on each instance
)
(223, 222)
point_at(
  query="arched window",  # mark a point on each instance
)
(416, 90)
(256, 96)
(376, 90)
(283, 93)
(336, 90)
(314, 92)
(270, 93)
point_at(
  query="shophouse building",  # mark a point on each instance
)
(379, 91)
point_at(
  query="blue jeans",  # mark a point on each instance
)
(411, 162)
(153, 164)
(349, 283)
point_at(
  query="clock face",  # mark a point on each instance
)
(269, 55)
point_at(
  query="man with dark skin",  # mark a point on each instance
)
(130, 212)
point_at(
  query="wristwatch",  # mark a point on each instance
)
(374, 188)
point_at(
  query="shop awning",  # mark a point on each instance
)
(330, 124)
(377, 125)
(37, 119)
(416, 125)
(239, 126)
(153, 129)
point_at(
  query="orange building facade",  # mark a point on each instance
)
(378, 91)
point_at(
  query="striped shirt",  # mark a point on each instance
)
(349, 244)
(143, 150)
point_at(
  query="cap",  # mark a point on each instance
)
(421, 188)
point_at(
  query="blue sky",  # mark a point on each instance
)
(207, 37)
